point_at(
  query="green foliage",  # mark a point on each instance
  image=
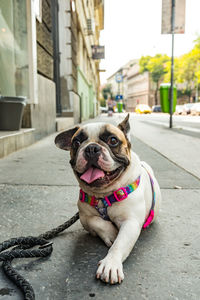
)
(186, 67)
(167, 76)
(155, 65)
(103, 102)
(107, 91)
(144, 61)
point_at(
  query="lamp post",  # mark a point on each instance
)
(172, 64)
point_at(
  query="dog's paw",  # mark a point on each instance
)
(110, 270)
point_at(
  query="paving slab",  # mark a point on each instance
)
(41, 164)
(163, 265)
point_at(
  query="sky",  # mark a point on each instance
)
(132, 28)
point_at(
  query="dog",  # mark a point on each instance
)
(119, 194)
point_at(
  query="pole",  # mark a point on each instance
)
(172, 65)
(196, 96)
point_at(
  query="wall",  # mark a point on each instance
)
(67, 49)
(87, 97)
(88, 68)
(138, 87)
(43, 114)
(45, 42)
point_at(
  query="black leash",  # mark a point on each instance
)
(21, 249)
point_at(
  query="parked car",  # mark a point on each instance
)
(195, 109)
(143, 109)
(187, 108)
(103, 109)
(179, 109)
(156, 108)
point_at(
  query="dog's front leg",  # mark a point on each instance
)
(110, 268)
(104, 229)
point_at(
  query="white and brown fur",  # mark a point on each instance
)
(126, 217)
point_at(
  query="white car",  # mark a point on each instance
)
(103, 109)
(195, 109)
(187, 108)
(179, 109)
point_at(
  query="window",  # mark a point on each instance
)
(18, 60)
(14, 73)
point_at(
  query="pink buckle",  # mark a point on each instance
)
(83, 196)
(123, 196)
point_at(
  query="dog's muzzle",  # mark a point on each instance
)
(92, 153)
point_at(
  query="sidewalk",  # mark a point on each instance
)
(38, 191)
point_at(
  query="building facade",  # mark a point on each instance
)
(45, 56)
(140, 88)
(121, 88)
(90, 20)
(135, 87)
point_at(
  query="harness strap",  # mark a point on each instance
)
(117, 196)
(151, 213)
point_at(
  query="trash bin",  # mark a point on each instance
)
(120, 107)
(165, 97)
(11, 111)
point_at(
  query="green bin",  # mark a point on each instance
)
(165, 97)
(120, 107)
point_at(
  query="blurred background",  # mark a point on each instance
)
(66, 61)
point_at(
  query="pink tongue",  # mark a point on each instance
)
(92, 174)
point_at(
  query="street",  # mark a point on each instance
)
(186, 123)
(180, 144)
(39, 192)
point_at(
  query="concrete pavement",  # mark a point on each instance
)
(38, 191)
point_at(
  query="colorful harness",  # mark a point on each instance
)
(117, 196)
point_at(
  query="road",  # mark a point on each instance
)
(181, 144)
(185, 124)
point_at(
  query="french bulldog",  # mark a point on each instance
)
(119, 194)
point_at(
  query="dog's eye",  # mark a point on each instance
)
(113, 141)
(76, 143)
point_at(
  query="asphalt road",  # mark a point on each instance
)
(186, 124)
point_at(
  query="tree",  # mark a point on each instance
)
(144, 61)
(186, 69)
(107, 91)
(167, 76)
(156, 66)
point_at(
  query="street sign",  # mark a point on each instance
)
(118, 77)
(119, 97)
(179, 26)
(98, 52)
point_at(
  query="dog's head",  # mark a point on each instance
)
(100, 152)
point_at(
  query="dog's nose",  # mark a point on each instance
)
(92, 150)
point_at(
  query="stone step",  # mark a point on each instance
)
(11, 141)
(63, 123)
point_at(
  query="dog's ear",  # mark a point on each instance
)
(64, 139)
(124, 126)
